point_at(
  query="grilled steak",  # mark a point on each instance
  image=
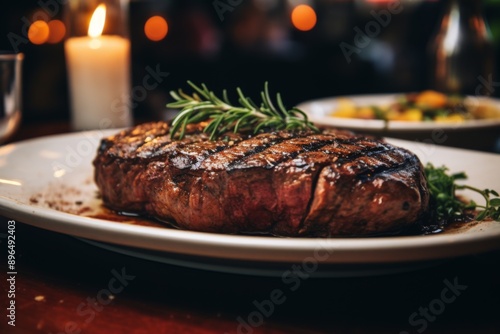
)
(283, 183)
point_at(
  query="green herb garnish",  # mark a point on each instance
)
(204, 105)
(444, 201)
(379, 113)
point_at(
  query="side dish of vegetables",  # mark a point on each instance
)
(416, 107)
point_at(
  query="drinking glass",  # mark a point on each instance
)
(10, 93)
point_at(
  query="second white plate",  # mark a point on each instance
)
(320, 111)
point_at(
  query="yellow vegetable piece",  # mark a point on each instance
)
(365, 113)
(412, 115)
(484, 111)
(346, 109)
(431, 98)
(345, 113)
(393, 115)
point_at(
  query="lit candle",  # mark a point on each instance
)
(99, 76)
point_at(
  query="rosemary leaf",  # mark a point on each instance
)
(203, 104)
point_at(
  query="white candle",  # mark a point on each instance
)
(99, 77)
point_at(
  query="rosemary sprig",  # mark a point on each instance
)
(442, 187)
(203, 105)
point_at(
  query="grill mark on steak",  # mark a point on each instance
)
(241, 150)
(283, 151)
(290, 148)
(125, 143)
(365, 162)
(149, 140)
(204, 154)
(193, 138)
(190, 155)
(247, 148)
(369, 172)
(161, 146)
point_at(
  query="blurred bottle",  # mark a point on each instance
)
(461, 52)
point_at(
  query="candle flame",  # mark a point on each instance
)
(97, 21)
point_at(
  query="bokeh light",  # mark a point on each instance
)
(304, 17)
(156, 28)
(38, 32)
(57, 31)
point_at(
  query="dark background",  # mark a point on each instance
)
(255, 42)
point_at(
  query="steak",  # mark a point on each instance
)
(332, 183)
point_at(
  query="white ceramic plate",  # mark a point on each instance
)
(320, 111)
(62, 165)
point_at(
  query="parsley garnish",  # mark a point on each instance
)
(444, 201)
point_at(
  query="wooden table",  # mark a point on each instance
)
(64, 285)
